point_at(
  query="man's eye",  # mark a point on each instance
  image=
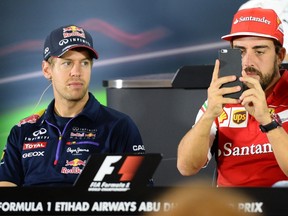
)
(85, 63)
(258, 52)
(66, 63)
(242, 52)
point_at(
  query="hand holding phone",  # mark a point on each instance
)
(231, 64)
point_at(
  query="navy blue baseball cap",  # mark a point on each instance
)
(66, 38)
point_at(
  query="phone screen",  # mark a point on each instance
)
(231, 64)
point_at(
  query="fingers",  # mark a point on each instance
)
(254, 87)
(251, 81)
(250, 99)
(215, 74)
(217, 81)
(216, 89)
(254, 98)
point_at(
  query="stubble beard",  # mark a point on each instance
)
(76, 97)
(265, 80)
(72, 95)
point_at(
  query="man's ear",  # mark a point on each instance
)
(282, 54)
(285, 55)
(46, 70)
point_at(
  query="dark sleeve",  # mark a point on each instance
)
(11, 163)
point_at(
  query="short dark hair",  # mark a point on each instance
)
(277, 45)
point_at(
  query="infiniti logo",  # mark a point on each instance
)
(64, 41)
(46, 50)
(39, 132)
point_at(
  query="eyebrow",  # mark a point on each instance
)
(70, 59)
(255, 47)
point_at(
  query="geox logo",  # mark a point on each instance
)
(239, 116)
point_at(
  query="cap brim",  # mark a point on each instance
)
(229, 37)
(93, 52)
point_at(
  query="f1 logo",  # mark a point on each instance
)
(106, 167)
(127, 170)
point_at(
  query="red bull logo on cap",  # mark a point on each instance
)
(73, 31)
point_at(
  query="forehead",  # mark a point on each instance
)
(77, 53)
(253, 41)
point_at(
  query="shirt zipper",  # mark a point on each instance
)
(59, 140)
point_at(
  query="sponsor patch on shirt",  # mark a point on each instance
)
(31, 119)
(233, 117)
(83, 133)
(73, 166)
(33, 154)
(77, 151)
(2, 156)
(34, 145)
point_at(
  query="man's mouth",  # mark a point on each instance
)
(75, 84)
(250, 73)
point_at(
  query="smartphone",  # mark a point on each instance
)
(231, 64)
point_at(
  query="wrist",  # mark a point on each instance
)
(267, 120)
(275, 122)
(209, 117)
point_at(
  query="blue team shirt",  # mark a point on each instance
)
(38, 152)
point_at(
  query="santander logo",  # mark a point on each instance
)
(254, 149)
(252, 18)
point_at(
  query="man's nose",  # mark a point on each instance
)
(76, 70)
(247, 59)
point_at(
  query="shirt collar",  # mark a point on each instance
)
(280, 88)
(90, 110)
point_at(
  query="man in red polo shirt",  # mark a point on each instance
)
(250, 132)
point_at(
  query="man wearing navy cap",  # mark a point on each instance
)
(51, 147)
